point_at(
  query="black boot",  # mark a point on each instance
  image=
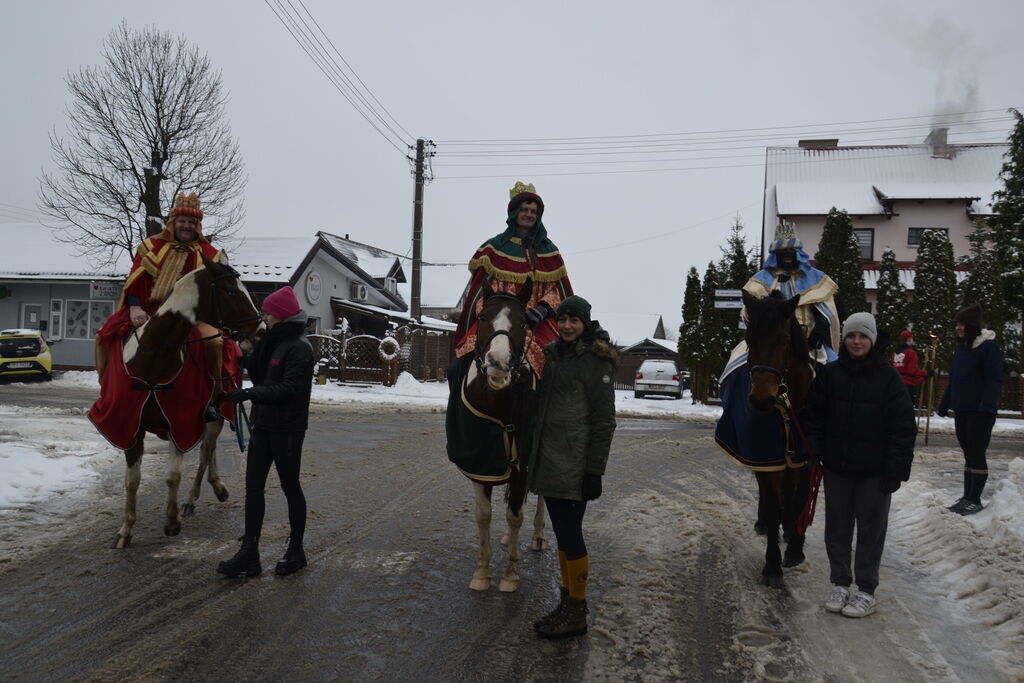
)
(294, 559)
(563, 597)
(246, 560)
(571, 622)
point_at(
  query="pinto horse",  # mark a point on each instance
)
(490, 418)
(153, 357)
(780, 379)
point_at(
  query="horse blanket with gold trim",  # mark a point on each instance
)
(755, 439)
(484, 447)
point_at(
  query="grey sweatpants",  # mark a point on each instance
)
(859, 502)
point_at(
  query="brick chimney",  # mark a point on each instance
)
(941, 149)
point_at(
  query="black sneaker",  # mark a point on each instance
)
(970, 508)
(957, 506)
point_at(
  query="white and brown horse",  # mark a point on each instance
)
(158, 350)
(498, 388)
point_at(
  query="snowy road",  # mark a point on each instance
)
(391, 542)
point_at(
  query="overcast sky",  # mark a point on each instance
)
(451, 71)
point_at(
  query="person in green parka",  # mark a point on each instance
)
(575, 423)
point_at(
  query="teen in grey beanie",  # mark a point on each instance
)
(863, 323)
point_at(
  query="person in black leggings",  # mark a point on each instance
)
(973, 396)
(575, 424)
(281, 368)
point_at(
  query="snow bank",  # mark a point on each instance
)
(974, 562)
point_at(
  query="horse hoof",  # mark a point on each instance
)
(773, 581)
(121, 542)
(172, 530)
(188, 510)
(759, 528)
(480, 584)
(221, 493)
(538, 544)
(795, 561)
(508, 585)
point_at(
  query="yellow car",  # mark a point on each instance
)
(24, 353)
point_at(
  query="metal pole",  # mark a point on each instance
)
(417, 235)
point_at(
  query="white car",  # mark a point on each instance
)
(657, 377)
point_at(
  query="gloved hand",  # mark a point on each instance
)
(534, 316)
(591, 486)
(237, 395)
(889, 485)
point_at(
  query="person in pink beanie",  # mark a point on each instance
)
(281, 369)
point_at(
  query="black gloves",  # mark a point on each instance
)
(534, 316)
(888, 485)
(591, 486)
(237, 395)
(819, 335)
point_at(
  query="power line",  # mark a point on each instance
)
(338, 86)
(365, 87)
(681, 145)
(662, 170)
(444, 164)
(712, 132)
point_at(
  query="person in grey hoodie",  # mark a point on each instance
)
(973, 396)
(281, 368)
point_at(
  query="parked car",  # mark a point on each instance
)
(24, 353)
(657, 377)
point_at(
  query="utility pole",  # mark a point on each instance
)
(417, 234)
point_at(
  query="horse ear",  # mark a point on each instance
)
(793, 303)
(488, 291)
(748, 298)
(526, 292)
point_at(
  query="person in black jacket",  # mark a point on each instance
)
(973, 396)
(281, 369)
(860, 424)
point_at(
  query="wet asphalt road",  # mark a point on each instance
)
(391, 544)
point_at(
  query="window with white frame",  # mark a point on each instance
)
(914, 235)
(56, 318)
(866, 242)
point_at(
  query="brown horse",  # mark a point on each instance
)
(158, 350)
(780, 374)
(498, 387)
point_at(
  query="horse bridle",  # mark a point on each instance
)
(782, 391)
(215, 291)
(518, 361)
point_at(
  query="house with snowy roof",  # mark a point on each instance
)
(892, 193)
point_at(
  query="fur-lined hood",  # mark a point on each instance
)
(983, 336)
(599, 347)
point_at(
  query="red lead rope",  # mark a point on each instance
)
(806, 517)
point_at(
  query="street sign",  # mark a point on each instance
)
(728, 293)
(727, 303)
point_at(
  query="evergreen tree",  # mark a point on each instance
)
(891, 314)
(713, 350)
(935, 293)
(689, 331)
(1007, 225)
(982, 283)
(737, 265)
(839, 257)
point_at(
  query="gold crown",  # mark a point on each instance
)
(521, 187)
(187, 201)
(785, 231)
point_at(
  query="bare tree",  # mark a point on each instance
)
(146, 124)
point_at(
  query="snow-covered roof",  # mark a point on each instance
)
(375, 262)
(270, 259)
(626, 328)
(812, 180)
(906, 277)
(31, 252)
(666, 344)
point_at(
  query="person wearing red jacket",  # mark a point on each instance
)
(905, 360)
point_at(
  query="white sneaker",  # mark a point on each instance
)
(860, 605)
(837, 601)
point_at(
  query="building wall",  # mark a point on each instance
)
(333, 282)
(892, 231)
(69, 312)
